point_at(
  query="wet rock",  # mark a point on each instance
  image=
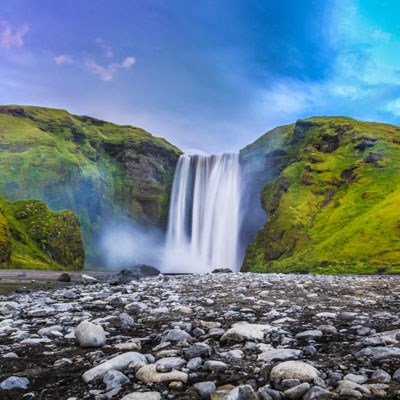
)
(381, 376)
(90, 335)
(293, 370)
(14, 382)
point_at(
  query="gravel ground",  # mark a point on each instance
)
(218, 336)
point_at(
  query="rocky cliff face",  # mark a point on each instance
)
(95, 168)
(330, 187)
(33, 237)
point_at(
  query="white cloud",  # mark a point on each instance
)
(63, 59)
(394, 107)
(128, 62)
(10, 37)
(107, 73)
(381, 35)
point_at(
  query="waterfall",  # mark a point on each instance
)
(203, 224)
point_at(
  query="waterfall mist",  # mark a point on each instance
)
(125, 243)
(204, 217)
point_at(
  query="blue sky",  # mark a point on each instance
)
(209, 75)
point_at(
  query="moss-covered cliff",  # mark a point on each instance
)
(94, 168)
(332, 195)
(33, 237)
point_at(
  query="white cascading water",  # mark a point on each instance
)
(204, 222)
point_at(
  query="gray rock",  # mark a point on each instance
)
(293, 370)
(244, 331)
(381, 376)
(114, 379)
(243, 392)
(170, 362)
(194, 363)
(267, 393)
(90, 335)
(279, 355)
(88, 279)
(396, 375)
(175, 335)
(310, 334)
(318, 393)
(14, 382)
(10, 355)
(379, 353)
(198, 350)
(118, 363)
(360, 379)
(205, 389)
(64, 277)
(142, 396)
(297, 392)
(213, 365)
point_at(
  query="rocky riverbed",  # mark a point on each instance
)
(214, 336)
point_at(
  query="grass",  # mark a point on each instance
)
(339, 213)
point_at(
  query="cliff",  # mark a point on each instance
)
(330, 187)
(97, 169)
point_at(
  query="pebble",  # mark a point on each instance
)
(90, 335)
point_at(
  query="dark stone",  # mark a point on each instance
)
(64, 277)
(222, 271)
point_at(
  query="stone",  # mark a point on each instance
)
(175, 335)
(88, 279)
(205, 389)
(149, 374)
(90, 335)
(318, 393)
(118, 363)
(297, 392)
(243, 392)
(244, 331)
(142, 396)
(381, 376)
(396, 375)
(379, 353)
(64, 277)
(360, 379)
(198, 350)
(293, 370)
(170, 362)
(14, 382)
(310, 334)
(279, 355)
(194, 363)
(114, 379)
(213, 365)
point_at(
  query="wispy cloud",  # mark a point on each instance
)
(107, 49)
(381, 35)
(63, 59)
(12, 37)
(107, 73)
(394, 107)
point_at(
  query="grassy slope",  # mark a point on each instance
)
(38, 238)
(92, 167)
(330, 211)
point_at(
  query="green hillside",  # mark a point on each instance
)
(33, 237)
(333, 198)
(95, 168)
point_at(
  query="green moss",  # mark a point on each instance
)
(338, 210)
(95, 168)
(40, 238)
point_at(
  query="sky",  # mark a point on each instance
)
(210, 76)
